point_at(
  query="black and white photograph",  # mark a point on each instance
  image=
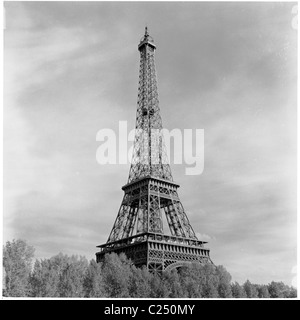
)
(149, 152)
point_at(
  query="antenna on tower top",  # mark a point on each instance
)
(146, 31)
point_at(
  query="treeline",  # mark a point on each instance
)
(117, 277)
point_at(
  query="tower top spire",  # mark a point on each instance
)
(146, 40)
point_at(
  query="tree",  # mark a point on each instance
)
(209, 281)
(279, 290)
(93, 282)
(263, 291)
(59, 276)
(238, 291)
(224, 287)
(189, 276)
(37, 280)
(72, 277)
(139, 283)
(117, 277)
(4, 294)
(116, 273)
(199, 281)
(158, 287)
(171, 282)
(250, 290)
(45, 278)
(293, 293)
(17, 263)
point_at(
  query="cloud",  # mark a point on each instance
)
(204, 237)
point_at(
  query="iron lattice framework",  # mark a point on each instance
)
(149, 154)
(150, 192)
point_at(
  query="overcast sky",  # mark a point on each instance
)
(71, 69)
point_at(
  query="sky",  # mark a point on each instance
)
(71, 69)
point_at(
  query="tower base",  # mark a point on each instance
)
(157, 252)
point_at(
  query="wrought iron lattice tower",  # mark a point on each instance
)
(150, 192)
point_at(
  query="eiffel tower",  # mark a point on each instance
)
(150, 192)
